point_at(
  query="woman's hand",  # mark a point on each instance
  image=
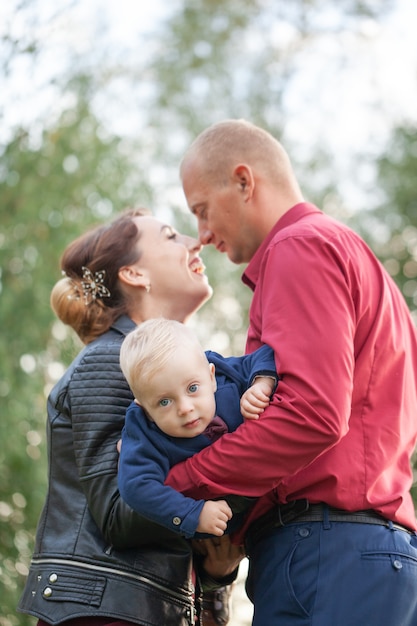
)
(220, 556)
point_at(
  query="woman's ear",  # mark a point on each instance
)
(133, 276)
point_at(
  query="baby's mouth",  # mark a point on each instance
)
(192, 423)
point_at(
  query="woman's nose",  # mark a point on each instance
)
(193, 245)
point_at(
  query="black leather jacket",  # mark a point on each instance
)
(93, 555)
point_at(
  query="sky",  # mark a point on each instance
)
(343, 101)
(384, 66)
(351, 105)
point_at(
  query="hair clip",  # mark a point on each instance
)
(92, 285)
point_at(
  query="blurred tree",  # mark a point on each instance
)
(209, 60)
(216, 61)
(392, 227)
(53, 186)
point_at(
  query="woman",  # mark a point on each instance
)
(95, 560)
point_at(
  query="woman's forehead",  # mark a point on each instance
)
(150, 223)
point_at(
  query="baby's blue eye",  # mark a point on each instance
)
(193, 388)
(164, 402)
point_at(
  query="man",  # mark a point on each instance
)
(331, 541)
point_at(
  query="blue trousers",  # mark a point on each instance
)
(334, 574)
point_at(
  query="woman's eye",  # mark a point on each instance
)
(164, 402)
(193, 388)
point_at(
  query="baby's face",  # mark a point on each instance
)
(179, 398)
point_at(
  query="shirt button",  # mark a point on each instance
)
(47, 592)
(397, 564)
(176, 521)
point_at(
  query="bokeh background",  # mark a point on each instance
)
(98, 101)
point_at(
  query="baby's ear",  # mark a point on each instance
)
(146, 414)
(213, 376)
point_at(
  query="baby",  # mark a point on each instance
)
(184, 400)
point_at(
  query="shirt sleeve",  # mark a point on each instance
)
(305, 313)
(142, 470)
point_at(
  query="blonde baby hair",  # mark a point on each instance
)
(150, 346)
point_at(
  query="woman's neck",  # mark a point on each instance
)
(171, 308)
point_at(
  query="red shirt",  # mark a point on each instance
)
(342, 424)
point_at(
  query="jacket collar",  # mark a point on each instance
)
(123, 325)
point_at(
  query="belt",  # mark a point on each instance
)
(302, 511)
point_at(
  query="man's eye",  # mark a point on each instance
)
(193, 388)
(164, 402)
(200, 212)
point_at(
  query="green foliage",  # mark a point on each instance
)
(210, 60)
(392, 226)
(53, 186)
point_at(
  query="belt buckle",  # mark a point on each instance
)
(294, 510)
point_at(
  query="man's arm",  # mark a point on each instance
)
(308, 319)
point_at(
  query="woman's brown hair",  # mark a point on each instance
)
(100, 252)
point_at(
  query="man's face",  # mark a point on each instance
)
(221, 211)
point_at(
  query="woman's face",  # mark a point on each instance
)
(178, 285)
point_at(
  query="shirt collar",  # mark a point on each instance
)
(297, 212)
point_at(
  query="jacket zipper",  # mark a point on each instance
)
(175, 594)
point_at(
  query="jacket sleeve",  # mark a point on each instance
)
(143, 467)
(243, 369)
(98, 396)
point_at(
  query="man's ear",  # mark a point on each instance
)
(133, 276)
(244, 179)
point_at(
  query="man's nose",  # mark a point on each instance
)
(205, 236)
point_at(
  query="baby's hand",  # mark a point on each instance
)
(214, 517)
(256, 398)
